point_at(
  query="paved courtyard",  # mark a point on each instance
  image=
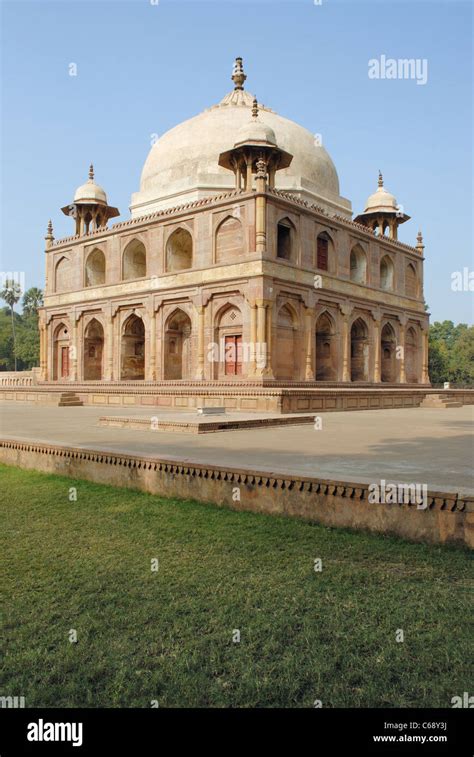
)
(432, 446)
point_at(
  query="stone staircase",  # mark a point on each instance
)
(440, 400)
(69, 399)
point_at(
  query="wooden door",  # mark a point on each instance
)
(233, 355)
(64, 362)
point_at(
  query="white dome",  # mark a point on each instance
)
(381, 200)
(182, 165)
(90, 192)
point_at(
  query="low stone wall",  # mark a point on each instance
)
(243, 398)
(448, 519)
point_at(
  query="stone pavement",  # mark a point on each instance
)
(432, 446)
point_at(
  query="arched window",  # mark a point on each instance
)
(286, 338)
(326, 369)
(95, 268)
(62, 275)
(358, 264)
(322, 252)
(359, 351)
(388, 368)
(179, 251)
(93, 350)
(134, 260)
(285, 239)
(133, 349)
(386, 273)
(229, 240)
(411, 281)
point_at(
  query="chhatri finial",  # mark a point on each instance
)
(91, 172)
(380, 178)
(238, 75)
(419, 241)
(49, 233)
(254, 108)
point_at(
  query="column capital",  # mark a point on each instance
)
(403, 319)
(376, 314)
(346, 308)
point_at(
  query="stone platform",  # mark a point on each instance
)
(190, 423)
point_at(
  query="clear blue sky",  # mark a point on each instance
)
(143, 68)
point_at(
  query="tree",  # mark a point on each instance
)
(32, 300)
(11, 294)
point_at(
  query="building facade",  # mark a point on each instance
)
(240, 262)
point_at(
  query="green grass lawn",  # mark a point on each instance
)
(168, 635)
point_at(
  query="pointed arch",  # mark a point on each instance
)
(286, 233)
(359, 350)
(62, 275)
(94, 270)
(386, 273)
(326, 348)
(229, 243)
(388, 344)
(132, 345)
(286, 339)
(134, 260)
(411, 281)
(177, 349)
(324, 251)
(93, 351)
(358, 265)
(412, 355)
(228, 335)
(61, 351)
(179, 250)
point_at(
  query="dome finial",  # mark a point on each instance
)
(380, 178)
(91, 172)
(238, 75)
(255, 108)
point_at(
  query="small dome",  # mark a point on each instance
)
(255, 131)
(90, 191)
(381, 200)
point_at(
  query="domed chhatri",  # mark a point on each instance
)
(240, 263)
(183, 165)
(382, 212)
(89, 207)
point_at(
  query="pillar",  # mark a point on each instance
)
(253, 339)
(309, 341)
(73, 349)
(425, 378)
(401, 350)
(346, 349)
(151, 372)
(377, 352)
(200, 328)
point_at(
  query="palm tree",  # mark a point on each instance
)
(32, 300)
(11, 293)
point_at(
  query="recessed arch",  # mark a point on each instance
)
(324, 251)
(359, 351)
(326, 348)
(358, 265)
(229, 239)
(134, 260)
(177, 352)
(388, 342)
(411, 281)
(386, 273)
(61, 351)
(133, 349)
(179, 250)
(93, 351)
(286, 323)
(62, 275)
(95, 268)
(411, 356)
(285, 242)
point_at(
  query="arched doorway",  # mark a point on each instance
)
(177, 352)
(411, 356)
(61, 352)
(229, 360)
(133, 349)
(326, 368)
(388, 369)
(285, 344)
(93, 351)
(359, 351)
